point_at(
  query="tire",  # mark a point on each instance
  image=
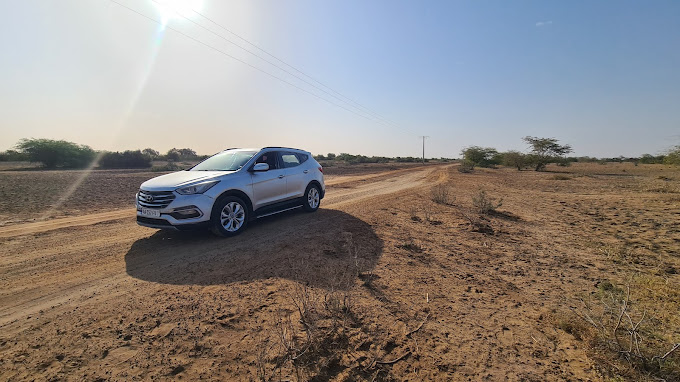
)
(312, 198)
(229, 216)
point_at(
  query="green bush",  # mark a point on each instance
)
(673, 156)
(651, 159)
(13, 156)
(466, 166)
(126, 159)
(168, 167)
(481, 156)
(515, 159)
(53, 154)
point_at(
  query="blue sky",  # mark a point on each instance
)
(602, 76)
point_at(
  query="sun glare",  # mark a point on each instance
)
(177, 9)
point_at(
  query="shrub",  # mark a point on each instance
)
(561, 177)
(484, 203)
(673, 156)
(407, 159)
(651, 159)
(13, 156)
(466, 166)
(441, 194)
(54, 154)
(481, 156)
(126, 159)
(626, 328)
(515, 159)
(170, 166)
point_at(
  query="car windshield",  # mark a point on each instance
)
(230, 160)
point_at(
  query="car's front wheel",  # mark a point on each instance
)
(312, 198)
(229, 216)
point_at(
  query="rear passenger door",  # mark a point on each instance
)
(296, 173)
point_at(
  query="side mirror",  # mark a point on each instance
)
(260, 167)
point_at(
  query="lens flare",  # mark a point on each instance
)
(177, 9)
(168, 9)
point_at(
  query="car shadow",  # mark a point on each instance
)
(322, 249)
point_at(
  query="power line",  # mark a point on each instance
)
(346, 100)
(248, 64)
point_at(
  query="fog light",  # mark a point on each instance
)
(187, 212)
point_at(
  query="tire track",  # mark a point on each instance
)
(96, 267)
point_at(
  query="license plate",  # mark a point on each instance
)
(149, 212)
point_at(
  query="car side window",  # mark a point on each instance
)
(290, 160)
(302, 157)
(268, 158)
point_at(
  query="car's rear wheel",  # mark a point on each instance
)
(229, 216)
(312, 198)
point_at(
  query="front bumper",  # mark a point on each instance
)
(164, 224)
(179, 213)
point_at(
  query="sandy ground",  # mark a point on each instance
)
(424, 296)
(32, 195)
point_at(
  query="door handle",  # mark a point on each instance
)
(280, 176)
(306, 171)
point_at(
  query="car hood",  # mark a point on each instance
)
(171, 181)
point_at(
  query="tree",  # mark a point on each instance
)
(546, 150)
(515, 159)
(153, 154)
(481, 156)
(54, 154)
(330, 156)
(173, 155)
(187, 154)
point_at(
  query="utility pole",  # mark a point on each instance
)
(424, 137)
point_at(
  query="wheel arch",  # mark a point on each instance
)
(239, 194)
(318, 185)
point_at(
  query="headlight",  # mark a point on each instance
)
(197, 188)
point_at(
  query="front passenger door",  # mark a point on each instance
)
(268, 186)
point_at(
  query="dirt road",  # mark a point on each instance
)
(95, 263)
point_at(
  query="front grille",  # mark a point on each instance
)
(155, 199)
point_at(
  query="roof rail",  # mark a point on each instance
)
(279, 147)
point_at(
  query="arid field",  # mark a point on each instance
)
(407, 272)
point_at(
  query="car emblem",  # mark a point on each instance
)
(148, 198)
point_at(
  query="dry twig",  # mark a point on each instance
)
(403, 356)
(419, 326)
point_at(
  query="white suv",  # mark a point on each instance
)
(230, 188)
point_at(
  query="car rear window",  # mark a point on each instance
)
(290, 160)
(302, 157)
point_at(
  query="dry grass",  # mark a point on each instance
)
(441, 194)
